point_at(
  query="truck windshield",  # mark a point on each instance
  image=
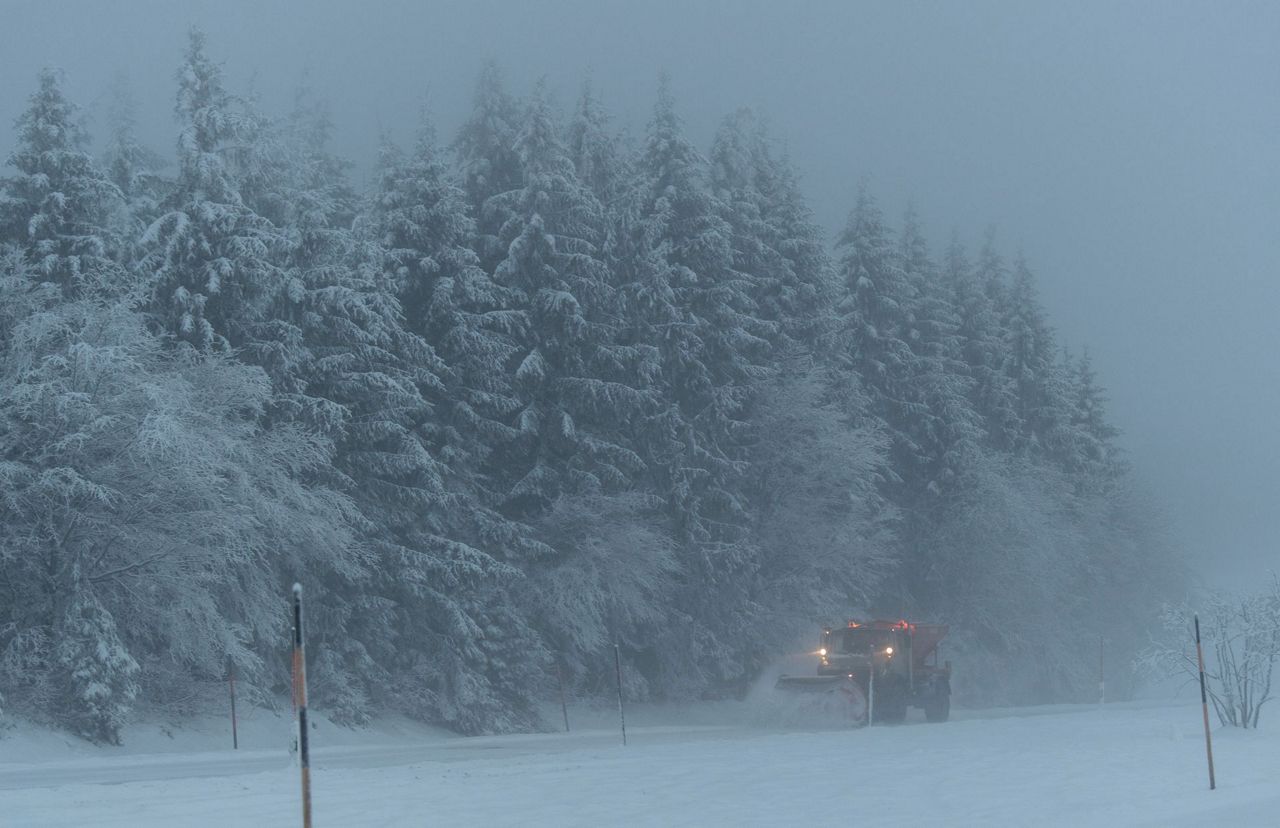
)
(861, 642)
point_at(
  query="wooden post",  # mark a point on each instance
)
(231, 684)
(564, 705)
(1204, 706)
(300, 689)
(622, 714)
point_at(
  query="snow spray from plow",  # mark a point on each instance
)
(811, 702)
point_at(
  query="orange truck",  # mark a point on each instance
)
(879, 669)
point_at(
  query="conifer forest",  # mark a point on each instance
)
(537, 387)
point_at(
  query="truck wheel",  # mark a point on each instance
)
(938, 709)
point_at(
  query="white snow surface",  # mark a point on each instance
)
(1138, 763)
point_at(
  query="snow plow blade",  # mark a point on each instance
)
(817, 701)
(815, 683)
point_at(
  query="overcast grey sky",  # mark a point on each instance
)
(1132, 150)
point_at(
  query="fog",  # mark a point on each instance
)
(1127, 149)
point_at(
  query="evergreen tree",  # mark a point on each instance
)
(689, 303)
(875, 316)
(803, 301)
(133, 168)
(467, 638)
(775, 246)
(991, 272)
(57, 208)
(597, 157)
(582, 390)
(984, 348)
(941, 426)
(1097, 458)
(571, 404)
(1041, 384)
(93, 667)
(487, 160)
(419, 221)
(315, 206)
(210, 253)
(938, 437)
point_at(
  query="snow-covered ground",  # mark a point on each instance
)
(1124, 764)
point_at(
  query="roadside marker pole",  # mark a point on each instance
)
(231, 683)
(871, 692)
(1204, 706)
(1102, 676)
(300, 689)
(622, 714)
(564, 706)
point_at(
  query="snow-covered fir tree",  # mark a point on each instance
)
(487, 160)
(572, 381)
(596, 150)
(415, 230)
(975, 291)
(419, 222)
(57, 207)
(742, 178)
(133, 168)
(209, 254)
(875, 314)
(937, 434)
(1096, 452)
(941, 428)
(687, 301)
(1039, 378)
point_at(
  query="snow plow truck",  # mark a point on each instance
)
(873, 671)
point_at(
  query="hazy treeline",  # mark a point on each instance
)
(537, 391)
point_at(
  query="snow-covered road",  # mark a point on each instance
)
(1137, 764)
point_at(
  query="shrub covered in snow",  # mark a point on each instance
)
(1240, 636)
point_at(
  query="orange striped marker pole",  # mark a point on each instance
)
(1204, 706)
(300, 690)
